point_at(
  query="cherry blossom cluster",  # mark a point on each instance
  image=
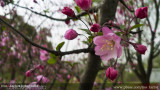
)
(108, 46)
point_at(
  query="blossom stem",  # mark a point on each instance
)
(115, 63)
(85, 25)
(128, 42)
(84, 36)
(130, 24)
(90, 17)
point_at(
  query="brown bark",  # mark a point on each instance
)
(107, 12)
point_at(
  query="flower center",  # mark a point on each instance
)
(109, 45)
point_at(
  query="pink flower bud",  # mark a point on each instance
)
(111, 73)
(28, 73)
(141, 49)
(70, 34)
(35, 1)
(69, 12)
(67, 22)
(39, 67)
(2, 3)
(142, 12)
(84, 4)
(95, 28)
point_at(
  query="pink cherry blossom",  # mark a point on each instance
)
(41, 78)
(4, 41)
(108, 46)
(44, 55)
(141, 12)
(111, 73)
(84, 4)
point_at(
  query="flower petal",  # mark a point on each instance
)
(106, 30)
(119, 51)
(99, 40)
(98, 51)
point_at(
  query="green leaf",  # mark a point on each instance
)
(118, 33)
(59, 46)
(46, 11)
(3, 28)
(52, 60)
(86, 42)
(122, 27)
(100, 33)
(136, 26)
(52, 56)
(86, 30)
(69, 63)
(90, 38)
(78, 9)
(75, 63)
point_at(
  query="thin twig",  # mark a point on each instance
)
(86, 50)
(124, 4)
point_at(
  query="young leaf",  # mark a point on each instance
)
(86, 30)
(78, 9)
(3, 28)
(46, 11)
(136, 26)
(90, 38)
(122, 27)
(86, 42)
(52, 56)
(69, 63)
(59, 46)
(52, 60)
(100, 34)
(118, 33)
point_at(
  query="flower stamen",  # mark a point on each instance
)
(109, 45)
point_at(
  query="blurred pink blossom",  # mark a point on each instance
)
(44, 55)
(28, 73)
(42, 79)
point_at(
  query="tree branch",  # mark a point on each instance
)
(94, 9)
(157, 14)
(124, 4)
(156, 54)
(86, 50)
